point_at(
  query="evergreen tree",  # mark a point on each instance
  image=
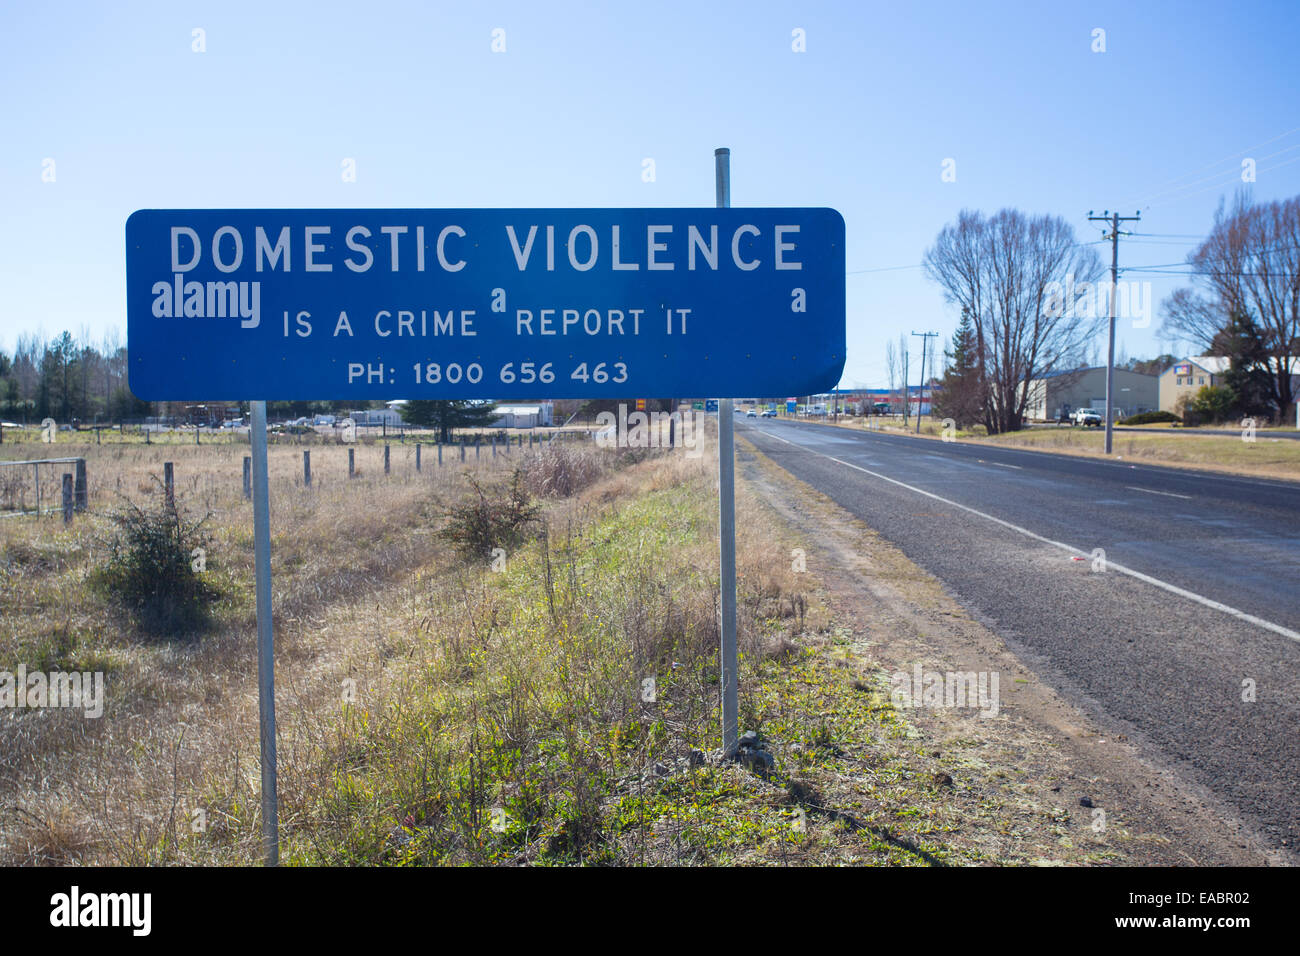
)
(960, 395)
(1242, 342)
(446, 415)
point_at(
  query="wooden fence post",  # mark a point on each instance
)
(80, 489)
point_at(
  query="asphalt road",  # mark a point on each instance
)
(1200, 596)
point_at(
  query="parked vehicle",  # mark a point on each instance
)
(1086, 417)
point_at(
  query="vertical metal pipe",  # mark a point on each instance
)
(265, 634)
(727, 520)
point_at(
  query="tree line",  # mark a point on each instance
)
(1004, 273)
(67, 377)
(74, 378)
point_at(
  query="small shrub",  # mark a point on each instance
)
(150, 571)
(1150, 418)
(1212, 403)
(492, 518)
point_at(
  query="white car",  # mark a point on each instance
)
(1086, 417)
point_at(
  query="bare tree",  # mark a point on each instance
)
(1005, 270)
(1249, 262)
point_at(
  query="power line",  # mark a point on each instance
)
(858, 272)
(921, 265)
(1234, 155)
(1206, 179)
(1233, 180)
(1214, 272)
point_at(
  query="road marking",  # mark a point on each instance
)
(1110, 565)
(1151, 491)
(999, 464)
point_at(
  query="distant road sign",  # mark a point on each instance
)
(491, 303)
(711, 405)
(791, 408)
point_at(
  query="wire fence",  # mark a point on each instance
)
(35, 486)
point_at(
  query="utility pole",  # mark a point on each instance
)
(920, 399)
(1114, 219)
(905, 395)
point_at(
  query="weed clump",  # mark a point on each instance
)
(558, 471)
(492, 518)
(154, 570)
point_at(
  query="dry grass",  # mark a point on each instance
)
(1265, 457)
(121, 788)
(417, 693)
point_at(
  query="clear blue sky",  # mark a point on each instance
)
(861, 121)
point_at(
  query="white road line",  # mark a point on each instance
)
(1152, 491)
(999, 464)
(1110, 565)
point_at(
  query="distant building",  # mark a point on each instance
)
(390, 417)
(1058, 394)
(1192, 374)
(1188, 377)
(525, 416)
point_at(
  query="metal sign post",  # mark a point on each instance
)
(265, 634)
(727, 520)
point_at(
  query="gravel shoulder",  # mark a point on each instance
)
(1041, 782)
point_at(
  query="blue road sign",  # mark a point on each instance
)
(791, 408)
(483, 303)
(711, 405)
